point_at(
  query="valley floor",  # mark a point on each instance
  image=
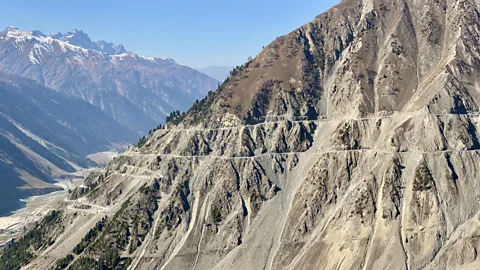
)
(37, 207)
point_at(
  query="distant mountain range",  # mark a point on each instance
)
(81, 39)
(136, 91)
(219, 73)
(46, 135)
(64, 96)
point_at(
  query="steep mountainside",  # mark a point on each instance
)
(350, 143)
(136, 91)
(46, 135)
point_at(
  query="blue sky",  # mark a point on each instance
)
(194, 33)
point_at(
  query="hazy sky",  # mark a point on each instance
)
(195, 33)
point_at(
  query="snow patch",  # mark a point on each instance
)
(50, 45)
(32, 58)
(36, 54)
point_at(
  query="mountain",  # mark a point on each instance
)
(110, 48)
(136, 91)
(45, 135)
(219, 73)
(349, 143)
(81, 39)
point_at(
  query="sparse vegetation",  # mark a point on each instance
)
(174, 115)
(198, 110)
(90, 237)
(392, 188)
(125, 231)
(261, 102)
(172, 215)
(141, 142)
(64, 262)
(344, 134)
(423, 179)
(21, 252)
(112, 261)
(160, 126)
(85, 263)
(216, 214)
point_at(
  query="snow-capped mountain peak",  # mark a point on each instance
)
(75, 37)
(11, 28)
(80, 39)
(55, 35)
(125, 85)
(14, 32)
(75, 46)
(110, 48)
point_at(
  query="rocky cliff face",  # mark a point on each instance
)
(350, 143)
(136, 91)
